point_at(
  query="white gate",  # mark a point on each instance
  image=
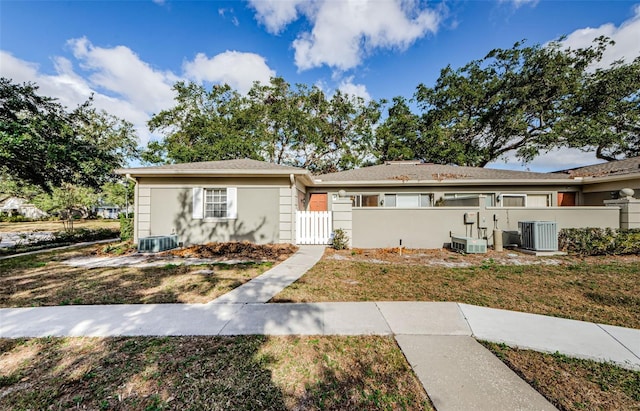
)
(313, 227)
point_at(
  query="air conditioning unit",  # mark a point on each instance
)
(156, 243)
(539, 235)
(469, 245)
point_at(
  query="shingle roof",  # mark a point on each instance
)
(619, 167)
(427, 171)
(237, 164)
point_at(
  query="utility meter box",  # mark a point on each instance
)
(470, 217)
(482, 220)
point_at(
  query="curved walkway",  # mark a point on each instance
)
(436, 337)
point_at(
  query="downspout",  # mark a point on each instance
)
(292, 217)
(135, 207)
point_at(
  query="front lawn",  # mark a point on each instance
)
(573, 384)
(605, 290)
(208, 373)
(44, 280)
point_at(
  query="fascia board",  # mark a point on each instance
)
(394, 183)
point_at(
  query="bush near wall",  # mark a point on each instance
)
(599, 241)
(126, 227)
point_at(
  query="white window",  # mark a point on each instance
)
(364, 200)
(525, 200)
(407, 200)
(215, 203)
(513, 200)
(467, 199)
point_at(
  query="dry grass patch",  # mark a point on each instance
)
(6, 227)
(44, 280)
(213, 373)
(597, 289)
(573, 384)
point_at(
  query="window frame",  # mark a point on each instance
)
(218, 198)
(429, 197)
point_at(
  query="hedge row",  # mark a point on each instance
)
(599, 241)
(61, 238)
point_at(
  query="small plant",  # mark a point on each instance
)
(340, 240)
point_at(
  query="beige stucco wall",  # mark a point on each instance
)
(264, 215)
(431, 227)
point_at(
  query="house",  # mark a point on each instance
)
(13, 206)
(418, 204)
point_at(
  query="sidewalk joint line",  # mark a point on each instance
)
(617, 340)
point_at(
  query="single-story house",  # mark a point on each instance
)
(13, 206)
(417, 203)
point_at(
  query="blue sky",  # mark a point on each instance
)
(129, 53)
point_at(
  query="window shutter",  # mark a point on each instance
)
(232, 202)
(198, 203)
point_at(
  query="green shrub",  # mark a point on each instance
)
(599, 241)
(340, 240)
(126, 228)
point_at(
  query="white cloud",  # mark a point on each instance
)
(120, 70)
(276, 14)
(237, 69)
(123, 84)
(554, 160)
(626, 37)
(519, 3)
(346, 31)
(359, 90)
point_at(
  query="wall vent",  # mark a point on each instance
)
(539, 235)
(469, 245)
(156, 243)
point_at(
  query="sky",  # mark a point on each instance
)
(128, 54)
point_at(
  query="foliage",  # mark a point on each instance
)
(398, 138)
(203, 126)
(605, 115)
(44, 144)
(599, 241)
(298, 126)
(119, 193)
(339, 240)
(67, 201)
(126, 227)
(511, 100)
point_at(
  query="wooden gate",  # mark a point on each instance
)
(313, 227)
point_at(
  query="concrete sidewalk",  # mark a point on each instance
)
(548, 334)
(262, 288)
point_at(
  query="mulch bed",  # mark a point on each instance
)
(236, 250)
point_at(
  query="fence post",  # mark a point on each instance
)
(342, 215)
(629, 209)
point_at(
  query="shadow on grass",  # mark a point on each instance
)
(44, 281)
(213, 373)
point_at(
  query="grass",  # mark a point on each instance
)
(6, 227)
(43, 280)
(213, 373)
(573, 384)
(604, 290)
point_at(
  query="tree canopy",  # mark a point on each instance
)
(44, 144)
(299, 126)
(527, 100)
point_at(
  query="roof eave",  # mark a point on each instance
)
(458, 182)
(142, 172)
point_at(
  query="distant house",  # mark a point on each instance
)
(417, 203)
(13, 206)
